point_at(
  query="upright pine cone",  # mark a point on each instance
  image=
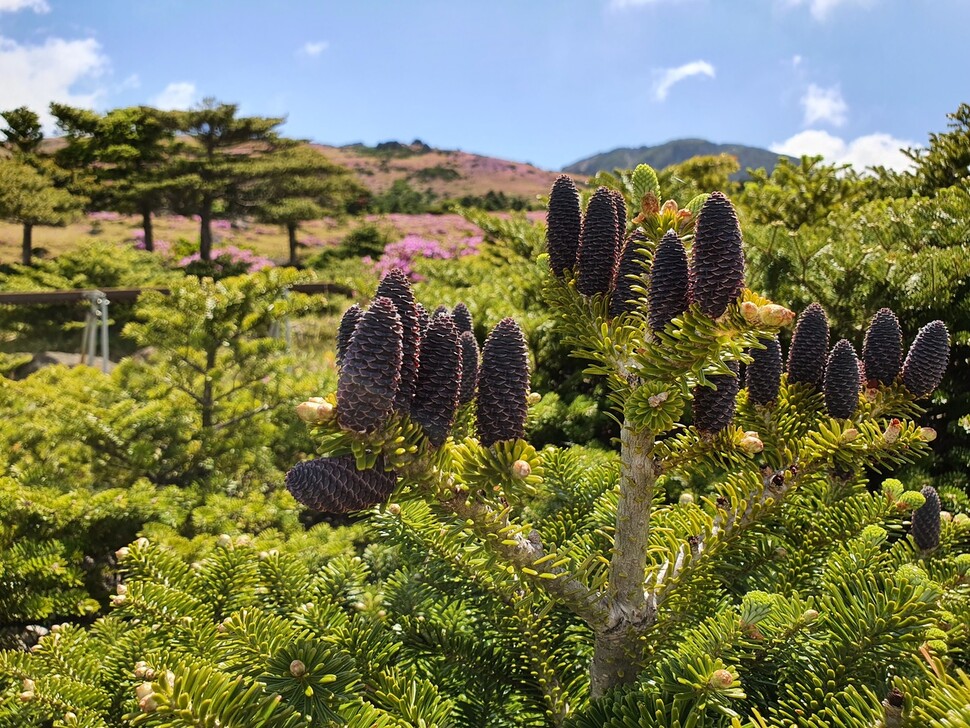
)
(564, 223)
(714, 408)
(371, 372)
(598, 245)
(882, 350)
(809, 347)
(397, 288)
(503, 384)
(842, 381)
(462, 317)
(335, 485)
(763, 374)
(629, 273)
(469, 367)
(424, 318)
(348, 323)
(439, 379)
(619, 202)
(926, 521)
(669, 291)
(441, 311)
(927, 359)
(717, 260)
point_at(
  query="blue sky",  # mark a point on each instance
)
(544, 81)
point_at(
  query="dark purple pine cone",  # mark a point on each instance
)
(462, 317)
(668, 295)
(714, 408)
(842, 381)
(469, 367)
(442, 310)
(926, 521)
(439, 380)
(371, 371)
(397, 287)
(619, 202)
(598, 245)
(346, 330)
(882, 350)
(503, 384)
(717, 260)
(927, 359)
(629, 273)
(763, 375)
(809, 347)
(424, 318)
(335, 485)
(564, 222)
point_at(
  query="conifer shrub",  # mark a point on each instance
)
(561, 586)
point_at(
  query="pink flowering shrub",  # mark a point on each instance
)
(226, 261)
(404, 253)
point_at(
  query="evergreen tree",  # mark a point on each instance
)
(221, 157)
(945, 161)
(128, 150)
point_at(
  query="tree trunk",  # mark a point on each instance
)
(291, 232)
(146, 224)
(205, 231)
(208, 400)
(617, 655)
(28, 244)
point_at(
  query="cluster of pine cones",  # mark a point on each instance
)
(395, 357)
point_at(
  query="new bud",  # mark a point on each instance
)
(521, 470)
(774, 315)
(751, 443)
(892, 432)
(314, 410)
(297, 668)
(721, 679)
(751, 312)
(927, 434)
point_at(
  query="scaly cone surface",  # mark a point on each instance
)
(882, 350)
(619, 203)
(763, 375)
(564, 224)
(927, 359)
(842, 381)
(809, 347)
(371, 372)
(335, 485)
(462, 317)
(926, 521)
(469, 367)
(717, 259)
(503, 385)
(629, 273)
(668, 294)
(348, 323)
(397, 288)
(598, 245)
(714, 408)
(424, 318)
(439, 380)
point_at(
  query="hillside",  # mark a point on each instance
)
(446, 173)
(673, 152)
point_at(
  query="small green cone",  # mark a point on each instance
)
(843, 381)
(927, 359)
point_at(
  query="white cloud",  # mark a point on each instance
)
(667, 77)
(796, 60)
(35, 75)
(12, 6)
(824, 104)
(820, 9)
(314, 48)
(869, 150)
(177, 95)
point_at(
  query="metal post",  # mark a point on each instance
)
(103, 302)
(97, 317)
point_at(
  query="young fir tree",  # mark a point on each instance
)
(740, 570)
